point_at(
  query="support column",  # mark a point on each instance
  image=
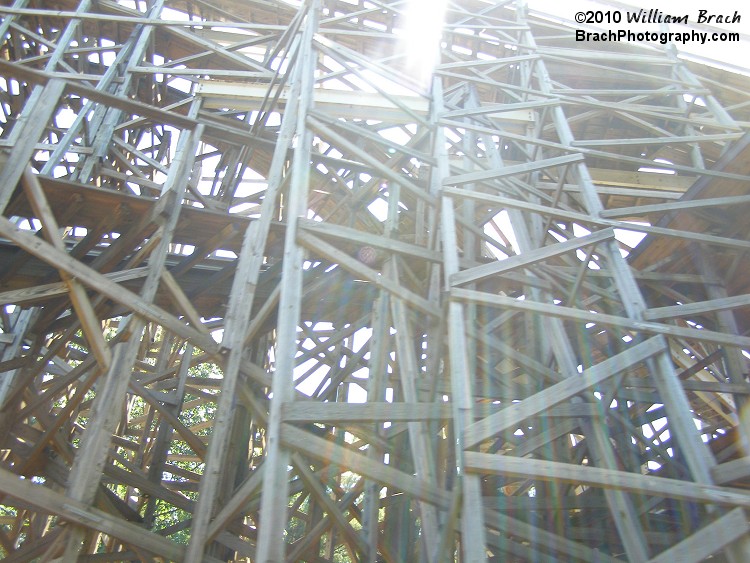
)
(273, 508)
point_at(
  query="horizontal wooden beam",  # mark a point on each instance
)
(697, 308)
(522, 111)
(339, 103)
(505, 171)
(730, 471)
(658, 140)
(571, 313)
(310, 411)
(136, 20)
(686, 205)
(584, 219)
(48, 290)
(370, 239)
(528, 468)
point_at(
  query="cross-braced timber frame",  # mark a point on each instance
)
(267, 296)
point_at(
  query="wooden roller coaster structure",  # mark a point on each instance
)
(274, 290)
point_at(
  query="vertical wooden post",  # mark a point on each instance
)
(271, 545)
(473, 542)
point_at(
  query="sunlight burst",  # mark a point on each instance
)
(422, 34)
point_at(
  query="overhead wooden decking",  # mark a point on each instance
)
(267, 296)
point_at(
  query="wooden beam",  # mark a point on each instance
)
(333, 102)
(599, 318)
(40, 292)
(730, 471)
(327, 413)
(329, 452)
(322, 248)
(28, 133)
(549, 541)
(484, 175)
(45, 499)
(568, 387)
(585, 219)
(697, 308)
(708, 540)
(529, 258)
(706, 203)
(605, 478)
(98, 282)
(90, 324)
(371, 239)
(315, 487)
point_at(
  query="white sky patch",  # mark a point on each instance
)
(422, 34)
(659, 170)
(631, 238)
(502, 220)
(170, 14)
(356, 394)
(379, 209)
